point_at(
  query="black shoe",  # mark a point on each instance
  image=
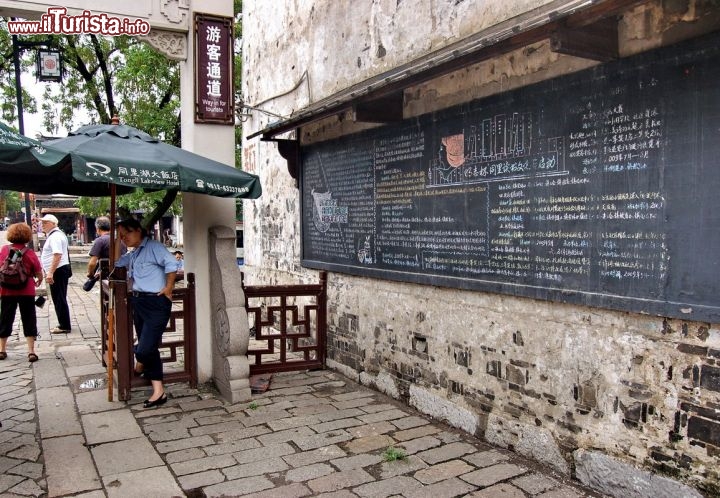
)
(89, 284)
(160, 401)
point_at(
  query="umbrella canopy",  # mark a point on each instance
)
(27, 165)
(125, 156)
(19, 151)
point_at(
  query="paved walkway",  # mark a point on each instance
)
(311, 434)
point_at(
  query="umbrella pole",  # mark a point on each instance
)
(111, 299)
(110, 340)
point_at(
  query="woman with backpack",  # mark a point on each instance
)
(14, 292)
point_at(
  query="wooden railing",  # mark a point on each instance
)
(179, 344)
(289, 333)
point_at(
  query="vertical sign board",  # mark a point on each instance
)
(598, 188)
(214, 96)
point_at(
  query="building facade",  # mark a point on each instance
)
(433, 157)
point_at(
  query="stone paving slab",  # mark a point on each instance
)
(57, 412)
(69, 466)
(49, 374)
(311, 434)
(108, 426)
(126, 455)
(155, 481)
(97, 401)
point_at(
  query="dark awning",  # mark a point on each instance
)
(577, 27)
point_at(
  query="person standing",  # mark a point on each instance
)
(55, 261)
(101, 247)
(19, 234)
(180, 258)
(151, 271)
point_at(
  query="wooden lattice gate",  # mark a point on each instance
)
(288, 325)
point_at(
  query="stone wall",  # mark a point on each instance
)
(552, 381)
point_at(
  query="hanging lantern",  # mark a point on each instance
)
(49, 65)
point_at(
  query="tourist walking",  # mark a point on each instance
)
(19, 234)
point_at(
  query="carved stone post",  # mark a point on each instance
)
(231, 331)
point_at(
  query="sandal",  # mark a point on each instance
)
(3, 355)
(32, 357)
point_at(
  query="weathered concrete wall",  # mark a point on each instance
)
(580, 389)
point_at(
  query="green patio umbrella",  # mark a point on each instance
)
(21, 151)
(127, 157)
(27, 165)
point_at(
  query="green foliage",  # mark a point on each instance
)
(10, 201)
(148, 90)
(94, 206)
(391, 454)
(91, 63)
(8, 101)
(104, 77)
(253, 405)
(134, 201)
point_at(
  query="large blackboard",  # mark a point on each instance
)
(599, 188)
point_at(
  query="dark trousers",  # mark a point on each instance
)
(58, 291)
(8, 306)
(150, 316)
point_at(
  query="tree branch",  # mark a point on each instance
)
(160, 209)
(107, 80)
(79, 64)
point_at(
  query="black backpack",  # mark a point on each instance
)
(13, 274)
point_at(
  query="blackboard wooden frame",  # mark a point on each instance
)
(595, 188)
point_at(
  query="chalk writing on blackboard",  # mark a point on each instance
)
(364, 253)
(496, 149)
(595, 187)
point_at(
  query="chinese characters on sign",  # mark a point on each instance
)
(214, 102)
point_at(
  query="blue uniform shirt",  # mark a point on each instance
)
(147, 266)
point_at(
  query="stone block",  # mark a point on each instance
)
(442, 471)
(314, 456)
(449, 488)
(490, 475)
(447, 452)
(710, 378)
(613, 477)
(515, 375)
(704, 430)
(308, 472)
(395, 486)
(339, 480)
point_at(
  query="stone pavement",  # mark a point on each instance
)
(310, 434)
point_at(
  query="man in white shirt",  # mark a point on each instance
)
(55, 261)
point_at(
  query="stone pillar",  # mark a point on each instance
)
(231, 368)
(201, 211)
